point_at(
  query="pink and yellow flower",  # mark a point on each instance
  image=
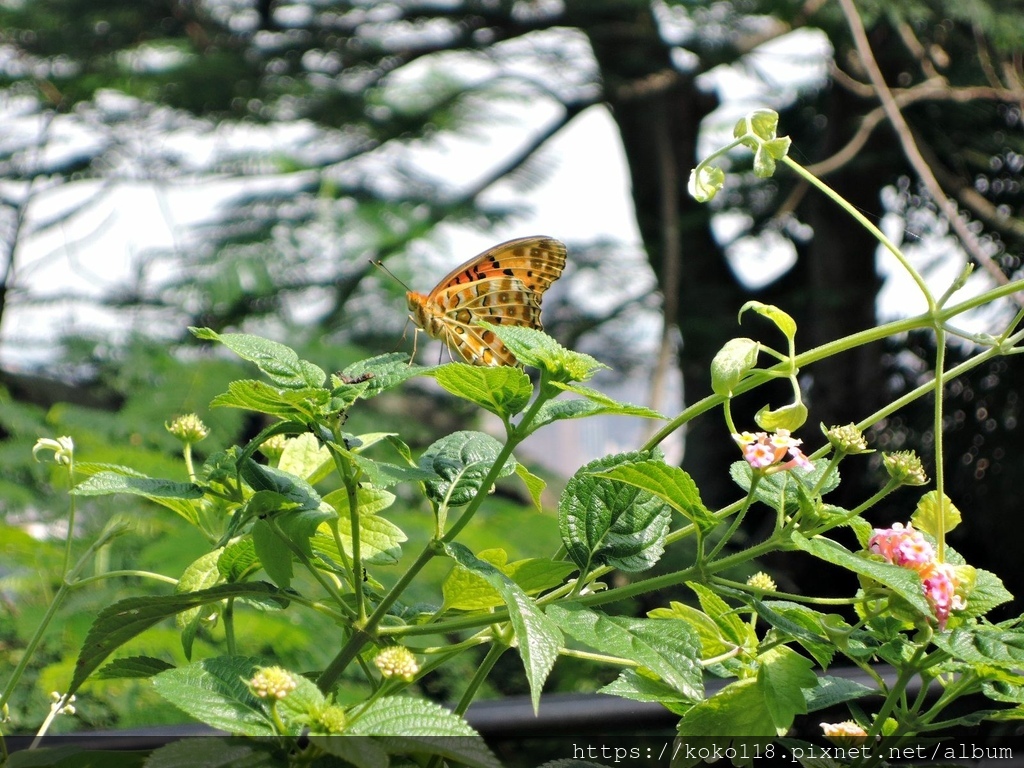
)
(762, 450)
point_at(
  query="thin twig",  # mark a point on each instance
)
(910, 149)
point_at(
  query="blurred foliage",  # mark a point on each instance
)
(314, 118)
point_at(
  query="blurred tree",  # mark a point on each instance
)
(329, 104)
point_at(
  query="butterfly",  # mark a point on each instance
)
(502, 286)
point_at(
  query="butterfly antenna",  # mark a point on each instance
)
(380, 265)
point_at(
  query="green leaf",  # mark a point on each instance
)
(606, 522)
(138, 667)
(538, 350)
(733, 628)
(903, 581)
(988, 592)
(384, 372)
(833, 691)
(215, 752)
(278, 362)
(303, 405)
(608, 405)
(670, 484)
(136, 484)
(214, 692)
(296, 493)
(792, 620)
(733, 361)
(383, 474)
(780, 488)
(422, 727)
(534, 485)
(237, 560)
(201, 574)
(782, 321)
(274, 554)
(458, 463)
(737, 712)
(502, 390)
(360, 752)
(380, 540)
(712, 641)
(303, 456)
(932, 519)
(120, 622)
(632, 685)
(785, 673)
(668, 648)
(790, 417)
(464, 590)
(105, 479)
(538, 638)
(992, 646)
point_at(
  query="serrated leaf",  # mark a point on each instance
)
(278, 362)
(669, 648)
(670, 484)
(733, 628)
(988, 592)
(137, 667)
(502, 390)
(534, 485)
(466, 591)
(538, 638)
(237, 560)
(120, 622)
(737, 712)
(932, 519)
(785, 673)
(201, 573)
(361, 752)
(384, 474)
(1000, 648)
(712, 641)
(636, 687)
(609, 405)
(380, 540)
(296, 494)
(605, 522)
(458, 464)
(780, 487)
(214, 692)
(302, 405)
(383, 372)
(136, 484)
(903, 581)
(832, 691)
(799, 622)
(538, 350)
(214, 752)
(404, 725)
(303, 456)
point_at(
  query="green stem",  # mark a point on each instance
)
(868, 336)
(867, 224)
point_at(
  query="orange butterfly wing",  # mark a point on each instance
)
(503, 286)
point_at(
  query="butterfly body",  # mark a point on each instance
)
(502, 286)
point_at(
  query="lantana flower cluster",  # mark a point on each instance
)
(762, 450)
(908, 548)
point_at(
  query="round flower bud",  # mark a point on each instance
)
(272, 683)
(188, 428)
(397, 661)
(905, 468)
